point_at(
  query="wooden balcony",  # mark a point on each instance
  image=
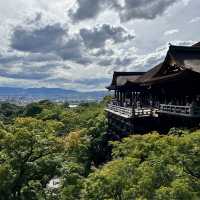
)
(125, 112)
(128, 112)
(187, 111)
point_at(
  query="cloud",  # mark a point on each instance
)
(144, 9)
(44, 48)
(148, 61)
(82, 12)
(9, 59)
(41, 46)
(102, 51)
(186, 2)
(12, 58)
(105, 62)
(123, 61)
(94, 82)
(52, 39)
(73, 50)
(31, 71)
(88, 9)
(40, 57)
(170, 32)
(128, 10)
(97, 37)
(44, 39)
(55, 41)
(37, 18)
(194, 20)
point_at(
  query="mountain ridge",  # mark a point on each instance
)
(50, 93)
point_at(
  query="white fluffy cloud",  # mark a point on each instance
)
(170, 32)
(194, 20)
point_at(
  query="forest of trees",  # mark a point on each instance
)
(45, 140)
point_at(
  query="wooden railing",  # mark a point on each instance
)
(129, 112)
(180, 110)
(143, 112)
(123, 111)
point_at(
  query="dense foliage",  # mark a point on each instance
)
(149, 167)
(43, 141)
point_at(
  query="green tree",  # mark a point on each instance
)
(32, 110)
(77, 166)
(149, 167)
(9, 111)
(29, 158)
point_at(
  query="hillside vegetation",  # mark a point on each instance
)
(44, 140)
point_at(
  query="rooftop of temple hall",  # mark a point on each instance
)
(178, 61)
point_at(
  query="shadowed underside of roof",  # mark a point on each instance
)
(121, 78)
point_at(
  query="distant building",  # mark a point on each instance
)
(54, 183)
(166, 95)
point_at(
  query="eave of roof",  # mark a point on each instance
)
(164, 78)
(196, 44)
(114, 84)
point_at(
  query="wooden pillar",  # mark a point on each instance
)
(131, 98)
(117, 96)
(141, 99)
(120, 98)
(124, 96)
(136, 97)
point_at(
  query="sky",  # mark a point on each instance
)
(77, 44)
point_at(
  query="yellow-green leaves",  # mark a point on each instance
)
(151, 167)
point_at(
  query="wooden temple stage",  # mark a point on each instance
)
(166, 96)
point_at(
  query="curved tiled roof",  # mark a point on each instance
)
(150, 74)
(184, 57)
(188, 57)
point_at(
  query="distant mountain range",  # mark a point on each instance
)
(50, 93)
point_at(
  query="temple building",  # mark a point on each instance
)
(166, 95)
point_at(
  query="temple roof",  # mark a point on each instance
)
(150, 74)
(181, 57)
(121, 78)
(196, 44)
(188, 57)
(178, 60)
